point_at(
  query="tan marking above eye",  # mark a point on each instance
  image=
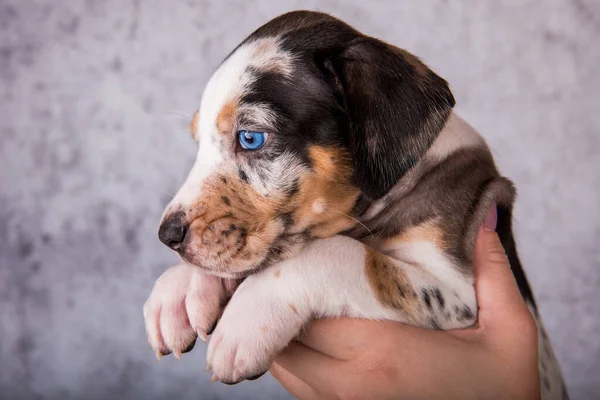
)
(226, 117)
(194, 125)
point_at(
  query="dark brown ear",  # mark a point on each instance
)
(396, 106)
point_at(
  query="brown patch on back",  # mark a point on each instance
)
(391, 285)
(194, 125)
(453, 195)
(226, 117)
(429, 231)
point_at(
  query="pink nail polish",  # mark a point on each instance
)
(491, 219)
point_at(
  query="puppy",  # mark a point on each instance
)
(332, 179)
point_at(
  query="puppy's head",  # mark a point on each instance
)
(300, 120)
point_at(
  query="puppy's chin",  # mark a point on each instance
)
(232, 269)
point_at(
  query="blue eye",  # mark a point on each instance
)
(251, 140)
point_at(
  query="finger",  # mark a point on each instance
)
(292, 383)
(495, 285)
(317, 370)
(341, 338)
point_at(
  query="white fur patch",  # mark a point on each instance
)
(231, 80)
(455, 135)
(319, 206)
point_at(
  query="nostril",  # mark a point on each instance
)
(172, 231)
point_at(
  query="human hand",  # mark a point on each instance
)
(362, 359)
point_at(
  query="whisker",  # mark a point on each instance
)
(178, 113)
(352, 218)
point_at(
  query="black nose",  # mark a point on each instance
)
(172, 230)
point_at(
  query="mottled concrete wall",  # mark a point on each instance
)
(95, 100)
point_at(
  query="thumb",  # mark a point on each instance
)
(495, 285)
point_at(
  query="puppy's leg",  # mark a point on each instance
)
(330, 277)
(185, 303)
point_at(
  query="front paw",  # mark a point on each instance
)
(184, 304)
(248, 336)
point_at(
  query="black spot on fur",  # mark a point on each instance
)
(225, 200)
(401, 291)
(439, 298)
(261, 174)
(466, 313)
(224, 180)
(426, 298)
(434, 324)
(243, 176)
(293, 189)
(287, 219)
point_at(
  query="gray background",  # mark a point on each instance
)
(96, 97)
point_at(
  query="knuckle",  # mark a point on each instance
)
(496, 256)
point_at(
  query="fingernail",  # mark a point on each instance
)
(491, 219)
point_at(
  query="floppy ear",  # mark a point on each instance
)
(396, 106)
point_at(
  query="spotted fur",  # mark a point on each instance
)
(364, 201)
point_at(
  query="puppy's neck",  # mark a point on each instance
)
(456, 135)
